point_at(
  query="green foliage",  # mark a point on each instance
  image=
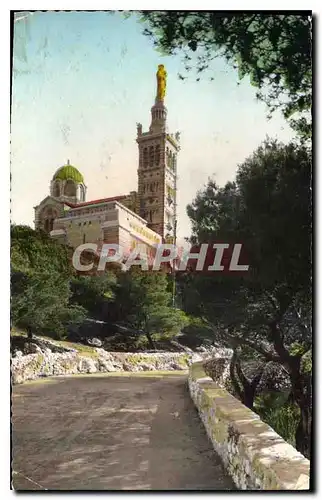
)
(47, 295)
(40, 289)
(278, 413)
(273, 50)
(32, 249)
(297, 349)
(267, 310)
(268, 209)
(306, 363)
(275, 189)
(144, 303)
(94, 293)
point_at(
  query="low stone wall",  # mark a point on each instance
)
(45, 363)
(255, 456)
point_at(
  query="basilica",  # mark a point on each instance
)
(144, 217)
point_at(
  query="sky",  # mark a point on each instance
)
(81, 82)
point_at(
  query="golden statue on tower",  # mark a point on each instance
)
(162, 82)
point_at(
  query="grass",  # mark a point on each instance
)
(36, 381)
(15, 332)
(82, 349)
(278, 413)
(152, 374)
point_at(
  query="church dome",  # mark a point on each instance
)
(68, 172)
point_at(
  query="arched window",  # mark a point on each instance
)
(56, 189)
(82, 193)
(167, 157)
(174, 161)
(48, 217)
(151, 156)
(157, 154)
(145, 158)
(70, 188)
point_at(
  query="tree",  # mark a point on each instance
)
(40, 283)
(144, 303)
(40, 304)
(273, 50)
(267, 310)
(94, 293)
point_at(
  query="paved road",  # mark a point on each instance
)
(111, 432)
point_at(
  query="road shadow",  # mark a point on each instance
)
(111, 433)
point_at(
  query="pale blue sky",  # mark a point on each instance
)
(82, 80)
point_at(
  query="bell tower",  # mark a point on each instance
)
(157, 172)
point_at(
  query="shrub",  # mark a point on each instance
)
(279, 413)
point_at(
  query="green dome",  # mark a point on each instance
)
(69, 172)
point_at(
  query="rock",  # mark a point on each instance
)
(218, 369)
(274, 378)
(175, 366)
(95, 341)
(18, 354)
(127, 367)
(49, 344)
(195, 358)
(181, 347)
(106, 366)
(87, 365)
(303, 483)
(146, 367)
(104, 354)
(31, 348)
(49, 362)
(201, 349)
(221, 352)
(118, 366)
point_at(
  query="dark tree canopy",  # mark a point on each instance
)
(274, 50)
(40, 284)
(144, 303)
(268, 309)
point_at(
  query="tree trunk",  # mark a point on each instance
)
(29, 333)
(249, 396)
(303, 397)
(233, 378)
(301, 389)
(151, 343)
(303, 432)
(248, 391)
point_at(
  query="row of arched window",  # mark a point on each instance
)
(151, 187)
(151, 156)
(69, 189)
(149, 214)
(171, 159)
(159, 114)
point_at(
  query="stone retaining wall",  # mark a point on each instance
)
(45, 363)
(255, 456)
